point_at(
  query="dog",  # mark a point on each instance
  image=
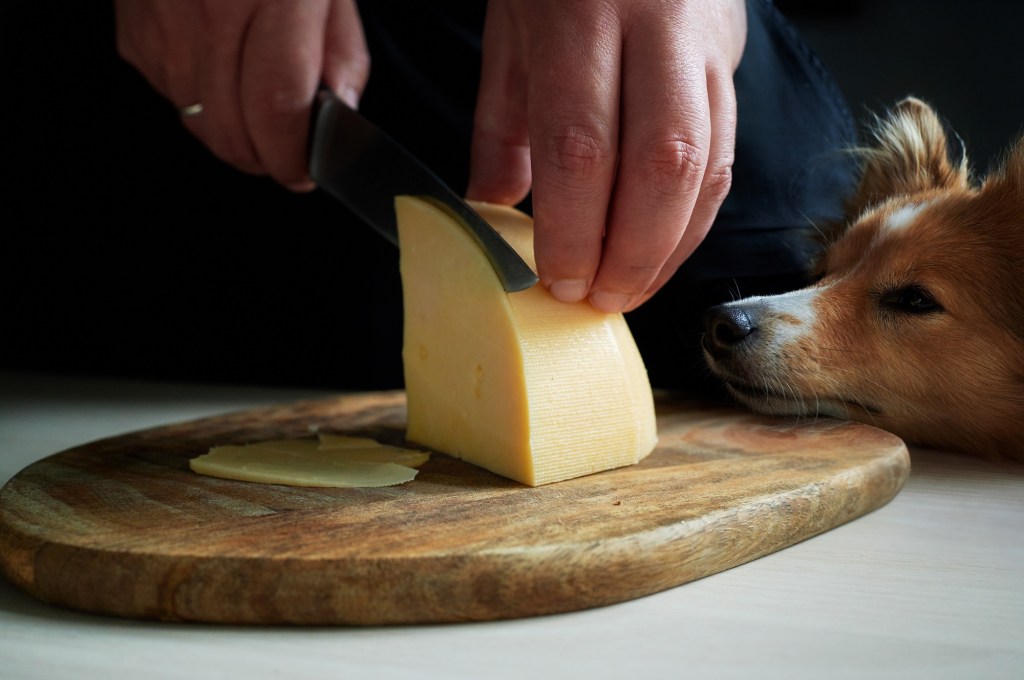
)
(914, 321)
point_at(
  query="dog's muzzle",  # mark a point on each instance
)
(725, 328)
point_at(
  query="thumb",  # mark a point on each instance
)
(346, 60)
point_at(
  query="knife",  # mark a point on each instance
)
(365, 169)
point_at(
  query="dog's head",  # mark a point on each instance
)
(916, 321)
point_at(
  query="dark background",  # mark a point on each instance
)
(962, 57)
(128, 250)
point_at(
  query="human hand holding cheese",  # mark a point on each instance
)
(526, 386)
(621, 114)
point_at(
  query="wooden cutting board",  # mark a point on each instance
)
(122, 526)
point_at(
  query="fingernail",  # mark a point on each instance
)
(607, 301)
(349, 96)
(569, 290)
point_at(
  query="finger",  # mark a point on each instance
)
(281, 66)
(717, 178)
(573, 111)
(221, 125)
(147, 39)
(500, 152)
(666, 134)
(346, 59)
(716, 182)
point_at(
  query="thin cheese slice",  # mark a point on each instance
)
(521, 384)
(364, 449)
(330, 461)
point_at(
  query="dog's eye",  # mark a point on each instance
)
(910, 300)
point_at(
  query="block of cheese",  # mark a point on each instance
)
(521, 384)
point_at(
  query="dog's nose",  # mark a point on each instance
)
(725, 326)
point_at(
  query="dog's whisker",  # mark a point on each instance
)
(734, 291)
(892, 393)
(904, 343)
(814, 225)
(921, 413)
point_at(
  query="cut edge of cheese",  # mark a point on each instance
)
(521, 384)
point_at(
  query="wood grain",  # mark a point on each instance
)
(122, 526)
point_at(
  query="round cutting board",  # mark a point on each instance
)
(122, 526)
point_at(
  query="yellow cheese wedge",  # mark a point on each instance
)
(521, 384)
(331, 461)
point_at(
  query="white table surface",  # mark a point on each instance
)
(929, 586)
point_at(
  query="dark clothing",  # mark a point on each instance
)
(143, 255)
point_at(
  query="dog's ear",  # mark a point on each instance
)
(1008, 180)
(910, 153)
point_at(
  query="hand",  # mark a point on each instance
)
(254, 65)
(622, 113)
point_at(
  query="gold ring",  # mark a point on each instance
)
(191, 110)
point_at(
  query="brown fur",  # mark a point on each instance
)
(952, 376)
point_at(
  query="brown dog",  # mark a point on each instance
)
(916, 322)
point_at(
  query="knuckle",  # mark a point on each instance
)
(718, 181)
(579, 150)
(277, 101)
(640, 272)
(669, 165)
(634, 270)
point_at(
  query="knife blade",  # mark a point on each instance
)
(365, 169)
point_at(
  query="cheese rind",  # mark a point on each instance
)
(521, 384)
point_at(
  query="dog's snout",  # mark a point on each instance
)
(725, 326)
